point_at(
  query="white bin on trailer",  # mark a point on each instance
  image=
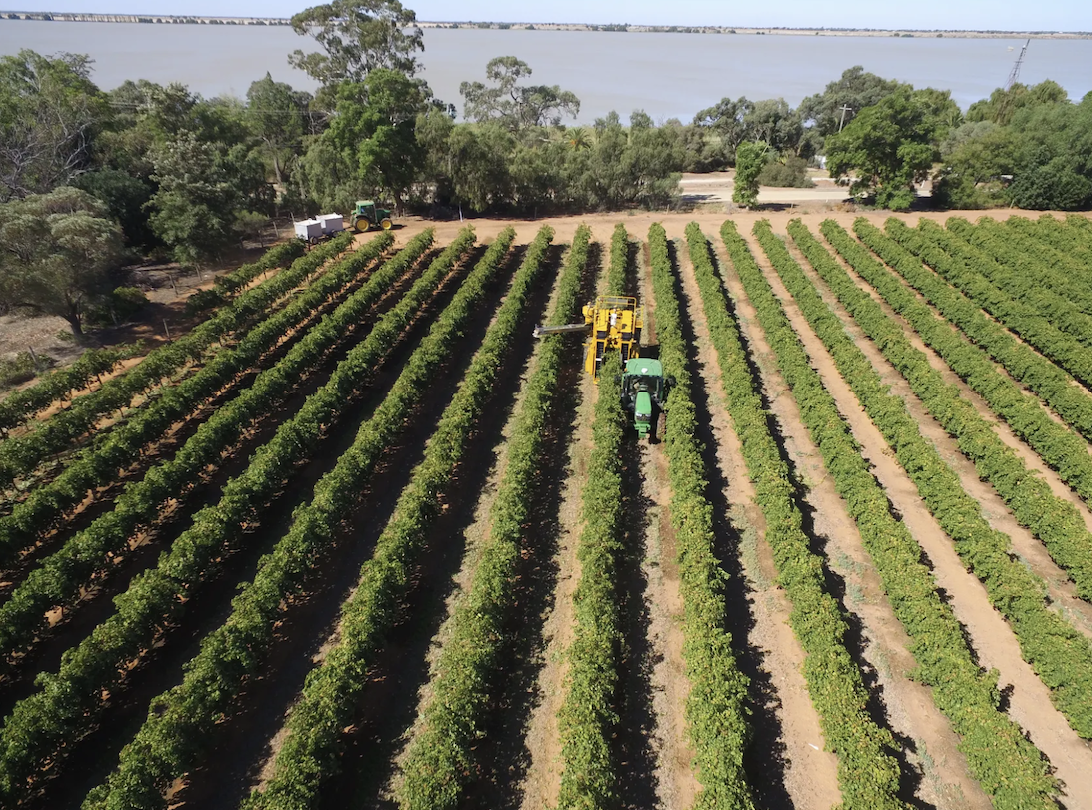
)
(332, 223)
(310, 230)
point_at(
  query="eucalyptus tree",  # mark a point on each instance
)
(278, 116)
(58, 254)
(514, 105)
(49, 113)
(357, 37)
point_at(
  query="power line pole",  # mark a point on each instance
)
(844, 110)
(1014, 76)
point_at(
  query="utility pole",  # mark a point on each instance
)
(1014, 76)
(844, 110)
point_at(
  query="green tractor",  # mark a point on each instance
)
(644, 392)
(367, 216)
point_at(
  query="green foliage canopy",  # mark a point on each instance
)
(750, 160)
(202, 186)
(279, 117)
(855, 90)
(513, 105)
(891, 146)
(371, 144)
(357, 37)
(58, 252)
(1002, 105)
(49, 111)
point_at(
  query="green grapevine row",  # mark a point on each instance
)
(19, 406)
(1060, 447)
(1060, 655)
(181, 721)
(1062, 272)
(275, 257)
(905, 256)
(311, 750)
(70, 700)
(91, 553)
(868, 772)
(441, 757)
(587, 718)
(99, 464)
(965, 272)
(1009, 767)
(1012, 272)
(22, 454)
(619, 260)
(1081, 225)
(1053, 520)
(718, 720)
(1056, 242)
(225, 287)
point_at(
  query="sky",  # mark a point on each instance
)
(998, 15)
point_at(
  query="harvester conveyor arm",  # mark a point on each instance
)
(570, 328)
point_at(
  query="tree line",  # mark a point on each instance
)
(90, 178)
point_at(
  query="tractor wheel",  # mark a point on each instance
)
(386, 224)
(362, 225)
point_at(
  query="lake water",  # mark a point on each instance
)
(666, 75)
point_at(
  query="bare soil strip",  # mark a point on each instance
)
(788, 765)
(1027, 699)
(542, 778)
(507, 749)
(924, 734)
(673, 776)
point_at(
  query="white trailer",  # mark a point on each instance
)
(331, 223)
(310, 230)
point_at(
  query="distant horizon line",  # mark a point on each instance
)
(68, 16)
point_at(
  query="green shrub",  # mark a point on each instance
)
(22, 368)
(204, 300)
(792, 172)
(118, 307)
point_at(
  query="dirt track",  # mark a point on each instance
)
(709, 217)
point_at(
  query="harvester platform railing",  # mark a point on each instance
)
(615, 302)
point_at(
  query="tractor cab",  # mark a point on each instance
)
(367, 216)
(644, 392)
